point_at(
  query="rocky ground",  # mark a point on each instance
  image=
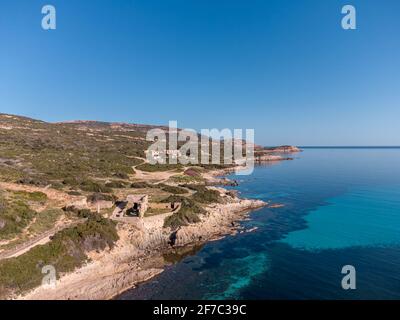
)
(138, 255)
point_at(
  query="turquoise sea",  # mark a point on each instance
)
(341, 207)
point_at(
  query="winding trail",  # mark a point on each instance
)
(38, 240)
(160, 176)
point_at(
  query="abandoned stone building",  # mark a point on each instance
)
(137, 205)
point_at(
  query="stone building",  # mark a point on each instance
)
(137, 204)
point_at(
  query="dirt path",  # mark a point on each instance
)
(38, 240)
(161, 176)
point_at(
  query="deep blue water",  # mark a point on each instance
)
(342, 207)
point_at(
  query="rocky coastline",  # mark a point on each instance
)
(138, 254)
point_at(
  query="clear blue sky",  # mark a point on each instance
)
(285, 68)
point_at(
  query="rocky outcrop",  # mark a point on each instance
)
(220, 220)
(138, 255)
(283, 149)
(275, 153)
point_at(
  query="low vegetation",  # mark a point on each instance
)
(40, 153)
(184, 217)
(188, 213)
(158, 167)
(174, 190)
(77, 158)
(14, 217)
(45, 220)
(141, 185)
(116, 184)
(186, 179)
(29, 196)
(94, 197)
(191, 206)
(66, 251)
(204, 195)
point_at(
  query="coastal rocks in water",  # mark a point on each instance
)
(276, 205)
(223, 182)
(217, 222)
(252, 229)
(227, 182)
(233, 183)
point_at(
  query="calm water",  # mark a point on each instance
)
(342, 206)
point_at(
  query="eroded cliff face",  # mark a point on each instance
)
(138, 254)
(218, 221)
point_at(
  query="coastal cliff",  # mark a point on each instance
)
(138, 254)
(61, 185)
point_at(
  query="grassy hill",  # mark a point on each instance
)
(40, 153)
(70, 154)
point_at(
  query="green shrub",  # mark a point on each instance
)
(70, 181)
(80, 213)
(30, 196)
(91, 186)
(14, 217)
(35, 181)
(45, 220)
(204, 195)
(158, 167)
(173, 189)
(186, 179)
(74, 193)
(187, 214)
(66, 251)
(101, 197)
(175, 198)
(186, 201)
(141, 185)
(121, 175)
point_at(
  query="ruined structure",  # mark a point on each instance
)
(137, 204)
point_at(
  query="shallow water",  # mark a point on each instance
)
(342, 206)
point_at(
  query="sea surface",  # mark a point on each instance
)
(341, 207)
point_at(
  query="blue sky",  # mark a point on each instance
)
(285, 68)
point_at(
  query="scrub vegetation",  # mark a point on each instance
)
(67, 251)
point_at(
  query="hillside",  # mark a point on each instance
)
(40, 153)
(54, 176)
(60, 185)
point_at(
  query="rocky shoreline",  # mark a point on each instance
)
(138, 255)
